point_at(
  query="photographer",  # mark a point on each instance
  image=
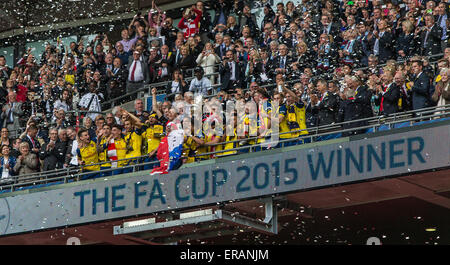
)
(188, 24)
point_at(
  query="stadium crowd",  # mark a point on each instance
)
(322, 62)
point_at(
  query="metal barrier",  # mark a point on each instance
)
(74, 174)
(337, 127)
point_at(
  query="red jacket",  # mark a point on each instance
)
(190, 27)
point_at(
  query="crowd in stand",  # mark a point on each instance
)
(321, 62)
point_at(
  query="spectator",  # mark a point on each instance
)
(11, 113)
(420, 87)
(15, 147)
(185, 61)
(430, 36)
(31, 140)
(4, 137)
(230, 72)
(207, 60)
(326, 106)
(53, 152)
(200, 85)
(139, 110)
(26, 163)
(188, 24)
(126, 42)
(90, 102)
(7, 163)
(441, 95)
(388, 95)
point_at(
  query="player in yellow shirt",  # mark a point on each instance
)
(133, 139)
(191, 145)
(151, 137)
(87, 155)
(293, 114)
(103, 136)
(229, 140)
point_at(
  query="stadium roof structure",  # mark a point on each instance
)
(29, 16)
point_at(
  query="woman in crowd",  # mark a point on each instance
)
(208, 59)
(27, 162)
(7, 164)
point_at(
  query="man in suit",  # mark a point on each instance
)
(281, 64)
(222, 10)
(31, 139)
(420, 87)
(383, 42)
(430, 37)
(404, 103)
(230, 72)
(362, 96)
(327, 26)
(138, 73)
(326, 106)
(387, 95)
(248, 19)
(166, 55)
(53, 152)
(11, 113)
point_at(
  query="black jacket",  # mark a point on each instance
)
(363, 97)
(327, 109)
(432, 44)
(350, 110)
(385, 47)
(421, 92)
(53, 158)
(225, 74)
(389, 100)
(276, 63)
(30, 144)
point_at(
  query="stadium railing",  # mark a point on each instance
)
(315, 134)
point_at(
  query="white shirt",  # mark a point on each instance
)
(200, 86)
(95, 104)
(74, 160)
(138, 74)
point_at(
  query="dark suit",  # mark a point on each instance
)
(363, 97)
(30, 143)
(421, 92)
(186, 63)
(53, 158)
(406, 43)
(327, 109)
(350, 110)
(385, 47)
(277, 63)
(221, 50)
(431, 44)
(389, 101)
(225, 75)
(170, 58)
